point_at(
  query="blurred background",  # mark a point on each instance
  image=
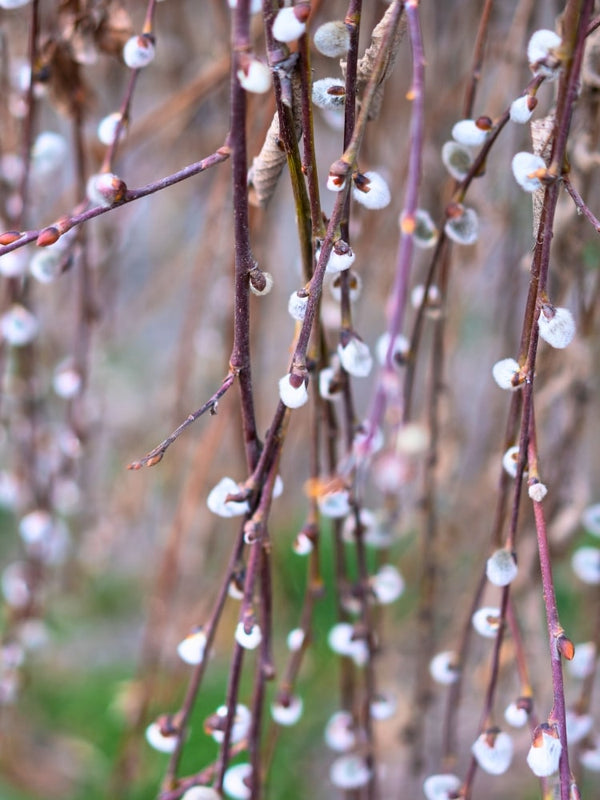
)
(140, 321)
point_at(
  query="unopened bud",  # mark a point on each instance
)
(565, 647)
(48, 236)
(9, 237)
(105, 189)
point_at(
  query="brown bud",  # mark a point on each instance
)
(48, 236)
(525, 702)
(258, 280)
(532, 102)
(565, 647)
(339, 169)
(484, 123)
(302, 11)
(296, 380)
(9, 237)
(341, 247)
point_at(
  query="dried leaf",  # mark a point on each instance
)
(269, 163)
(366, 64)
(541, 136)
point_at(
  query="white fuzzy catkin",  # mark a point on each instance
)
(288, 714)
(191, 649)
(503, 373)
(349, 772)
(48, 153)
(341, 640)
(46, 264)
(387, 584)
(585, 563)
(418, 293)
(104, 189)
(539, 52)
(371, 191)
(297, 306)
(286, 25)
(157, 740)
(544, 755)
(251, 640)
(525, 167)
(303, 545)
(493, 752)
(441, 787)
(107, 128)
(340, 261)
(399, 352)
(537, 491)
(457, 159)
(201, 793)
(18, 326)
(510, 461)
(235, 782)
(334, 505)
(332, 39)
(501, 568)
(329, 93)
(242, 719)
(292, 396)
(66, 381)
(425, 233)
(138, 52)
(486, 621)
(556, 326)
(217, 499)
(578, 726)
(519, 109)
(327, 388)
(467, 132)
(356, 358)
(295, 639)
(339, 732)
(255, 77)
(442, 668)
(354, 287)
(383, 706)
(516, 716)
(463, 228)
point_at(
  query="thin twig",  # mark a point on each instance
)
(78, 217)
(155, 455)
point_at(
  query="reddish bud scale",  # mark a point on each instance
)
(258, 280)
(63, 225)
(565, 647)
(296, 380)
(9, 237)
(484, 123)
(525, 702)
(48, 236)
(302, 12)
